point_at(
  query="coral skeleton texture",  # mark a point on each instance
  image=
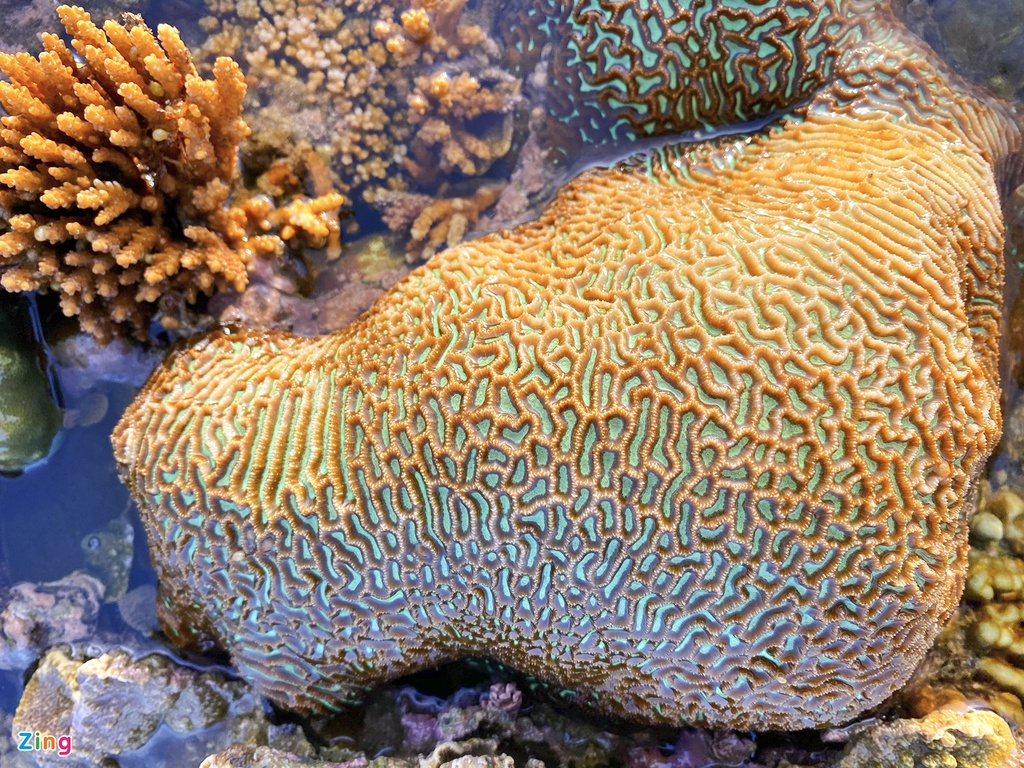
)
(696, 445)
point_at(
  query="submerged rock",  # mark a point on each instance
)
(84, 363)
(475, 753)
(240, 756)
(10, 755)
(946, 738)
(116, 704)
(109, 554)
(138, 608)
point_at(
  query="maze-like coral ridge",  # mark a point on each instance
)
(621, 69)
(697, 444)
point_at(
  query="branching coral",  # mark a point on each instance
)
(434, 223)
(304, 222)
(431, 31)
(460, 124)
(363, 92)
(118, 167)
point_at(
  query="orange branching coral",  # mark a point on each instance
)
(302, 222)
(429, 30)
(116, 170)
(435, 223)
(314, 223)
(441, 108)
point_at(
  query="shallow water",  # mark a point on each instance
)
(50, 511)
(76, 491)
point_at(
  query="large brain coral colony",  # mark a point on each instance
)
(117, 169)
(697, 444)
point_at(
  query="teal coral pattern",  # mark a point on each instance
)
(696, 445)
(623, 70)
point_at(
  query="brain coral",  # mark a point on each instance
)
(697, 444)
(625, 69)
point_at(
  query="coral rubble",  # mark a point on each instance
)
(36, 616)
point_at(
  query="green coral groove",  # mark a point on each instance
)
(622, 70)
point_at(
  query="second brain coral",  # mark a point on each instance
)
(117, 171)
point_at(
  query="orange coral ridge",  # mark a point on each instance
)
(105, 157)
(698, 444)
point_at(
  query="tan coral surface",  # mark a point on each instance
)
(696, 445)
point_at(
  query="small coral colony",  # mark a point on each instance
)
(697, 443)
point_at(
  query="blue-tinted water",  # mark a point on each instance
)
(50, 507)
